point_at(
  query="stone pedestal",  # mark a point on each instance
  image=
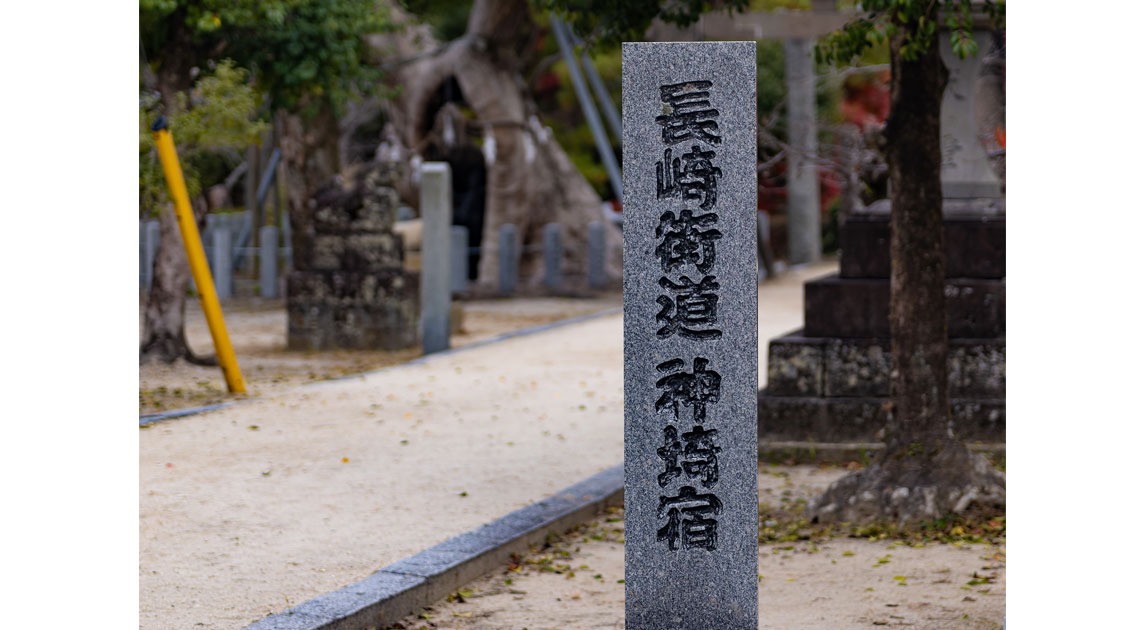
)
(348, 289)
(829, 381)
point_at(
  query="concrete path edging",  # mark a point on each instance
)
(417, 581)
(152, 418)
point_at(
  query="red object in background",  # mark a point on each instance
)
(772, 190)
(866, 98)
(866, 103)
(546, 85)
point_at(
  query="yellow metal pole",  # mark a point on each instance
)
(198, 260)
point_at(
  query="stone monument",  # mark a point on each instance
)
(348, 288)
(690, 336)
(829, 382)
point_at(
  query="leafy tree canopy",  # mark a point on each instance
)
(222, 119)
(913, 20)
(447, 18)
(611, 22)
(299, 51)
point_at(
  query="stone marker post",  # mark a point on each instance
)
(221, 256)
(690, 336)
(436, 283)
(551, 252)
(150, 247)
(804, 243)
(268, 261)
(596, 277)
(459, 257)
(507, 259)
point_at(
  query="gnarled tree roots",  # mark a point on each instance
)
(910, 490)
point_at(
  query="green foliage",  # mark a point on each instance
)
(771, 5)
(916, 21)
(771, 86)
(217, 117)
(572, 132)
(320, 56)
(570, 128)
(770, 79)
(219, 112)
(611, 22)
(300, 51)
(448, 18)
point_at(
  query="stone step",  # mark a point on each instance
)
(975, 247)
(788, 453)
(810, 419)
(860, 308)
(829, 367)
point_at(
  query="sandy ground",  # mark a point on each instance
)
(310, 486)
(254, 508)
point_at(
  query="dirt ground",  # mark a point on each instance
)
(257, 329)
(809, 577)
(808, 580)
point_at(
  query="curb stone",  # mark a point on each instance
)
(152, 418)
(417, 581)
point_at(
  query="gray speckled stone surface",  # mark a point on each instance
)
(689, 237)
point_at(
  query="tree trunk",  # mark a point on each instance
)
(164, 338)
(309, 146)
(530, 181)
(924, 472)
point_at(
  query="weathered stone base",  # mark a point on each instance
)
(829, 383)
(349, 289)
(834, 367)
(787, 453)
(816, 419)
(351, 310)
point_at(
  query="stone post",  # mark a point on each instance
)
(459, 257)
(150, 247)
(436, 214)
(552, 254)
(690, 336)
(221, 255)
(803, 231)
(268, 261)
(596, 277)
(507, 259)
